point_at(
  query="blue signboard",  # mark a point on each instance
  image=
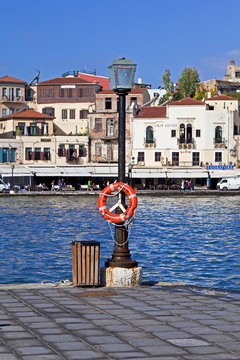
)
(220, 167)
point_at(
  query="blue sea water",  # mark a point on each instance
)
(194, 240)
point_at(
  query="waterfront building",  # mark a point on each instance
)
(103, 125)
(229, 84)
(184, 138)
(12, 95)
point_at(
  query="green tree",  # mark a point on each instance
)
(188, 82)
(168, 84)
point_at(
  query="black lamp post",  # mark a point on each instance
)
(122, 73)
(12, 185)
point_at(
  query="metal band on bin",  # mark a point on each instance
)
(126, 215)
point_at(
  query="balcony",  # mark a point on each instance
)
(186, 143)
(12, 99)
(150, 143)
(219, 143)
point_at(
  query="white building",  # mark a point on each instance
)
(184, 138)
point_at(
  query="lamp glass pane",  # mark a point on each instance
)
(124, 76)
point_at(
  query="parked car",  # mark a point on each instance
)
(231, 183)
(3, 187)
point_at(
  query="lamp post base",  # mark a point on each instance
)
(120, 277)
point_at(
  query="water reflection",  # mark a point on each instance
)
(193, 240)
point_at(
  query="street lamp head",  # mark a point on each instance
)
(121, 74)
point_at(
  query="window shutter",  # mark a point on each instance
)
(13, 151)
(53, 111)
(9, 155)
(1, 155)
(85, 152)
(59, 152)
(41, 155)
(33, 155)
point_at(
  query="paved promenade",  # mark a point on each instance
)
(62, 322)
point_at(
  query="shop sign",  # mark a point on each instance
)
(220, 167)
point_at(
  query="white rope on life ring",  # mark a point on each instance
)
(126, 213)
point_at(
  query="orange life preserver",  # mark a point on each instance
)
(128, 213)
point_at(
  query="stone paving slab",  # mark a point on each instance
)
(47, 322)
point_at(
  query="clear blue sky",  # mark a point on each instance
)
(55, 36)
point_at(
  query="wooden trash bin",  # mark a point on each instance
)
(85, 263)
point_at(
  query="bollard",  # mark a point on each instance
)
(85, 263)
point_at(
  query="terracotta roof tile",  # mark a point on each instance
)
(221, 97)
(65, 80)
(186, 101)
(10, 79)
(27, 114)
(152, 112)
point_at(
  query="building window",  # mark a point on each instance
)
(98, 149)
(69, 92)
(11, 110)
(20, 128)
(109, 151)
(109, 127)
(18, 92)
(195, 159)
(46, 154)
(44, 129)
(37, 153)
(80, 92)
(50, 93)
(4, 91)
(64, 114)
(48, 111)
(29, 95)
(189, 133)
(82, 151)
(108, 103)
(237, 74)
(218, 157)
(173, 133)
(61, 92)
(133, 100)
(158, 156)
(4, 112)
(141, 156)
(218, 135)
(83, 114)
(175, 159)
(149, 135)
(42, 93)
(33, 129)
(72, 113)
(198, 133)
(28, 154)
(235, 130)
(61, 150)
(98, 125)
(11, 94)
(182, 134)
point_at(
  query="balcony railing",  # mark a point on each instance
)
(12, 99)
(186, 143)
(219, 140)
(150, 143)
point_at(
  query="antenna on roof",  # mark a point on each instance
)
(35, 78)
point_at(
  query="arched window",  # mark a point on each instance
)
(189, 133)
(218, 134)
(149, 135)
(182, 133)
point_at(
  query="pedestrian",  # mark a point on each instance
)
(53, 185)
(192, 185)
(182, 185)
(59, 185)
